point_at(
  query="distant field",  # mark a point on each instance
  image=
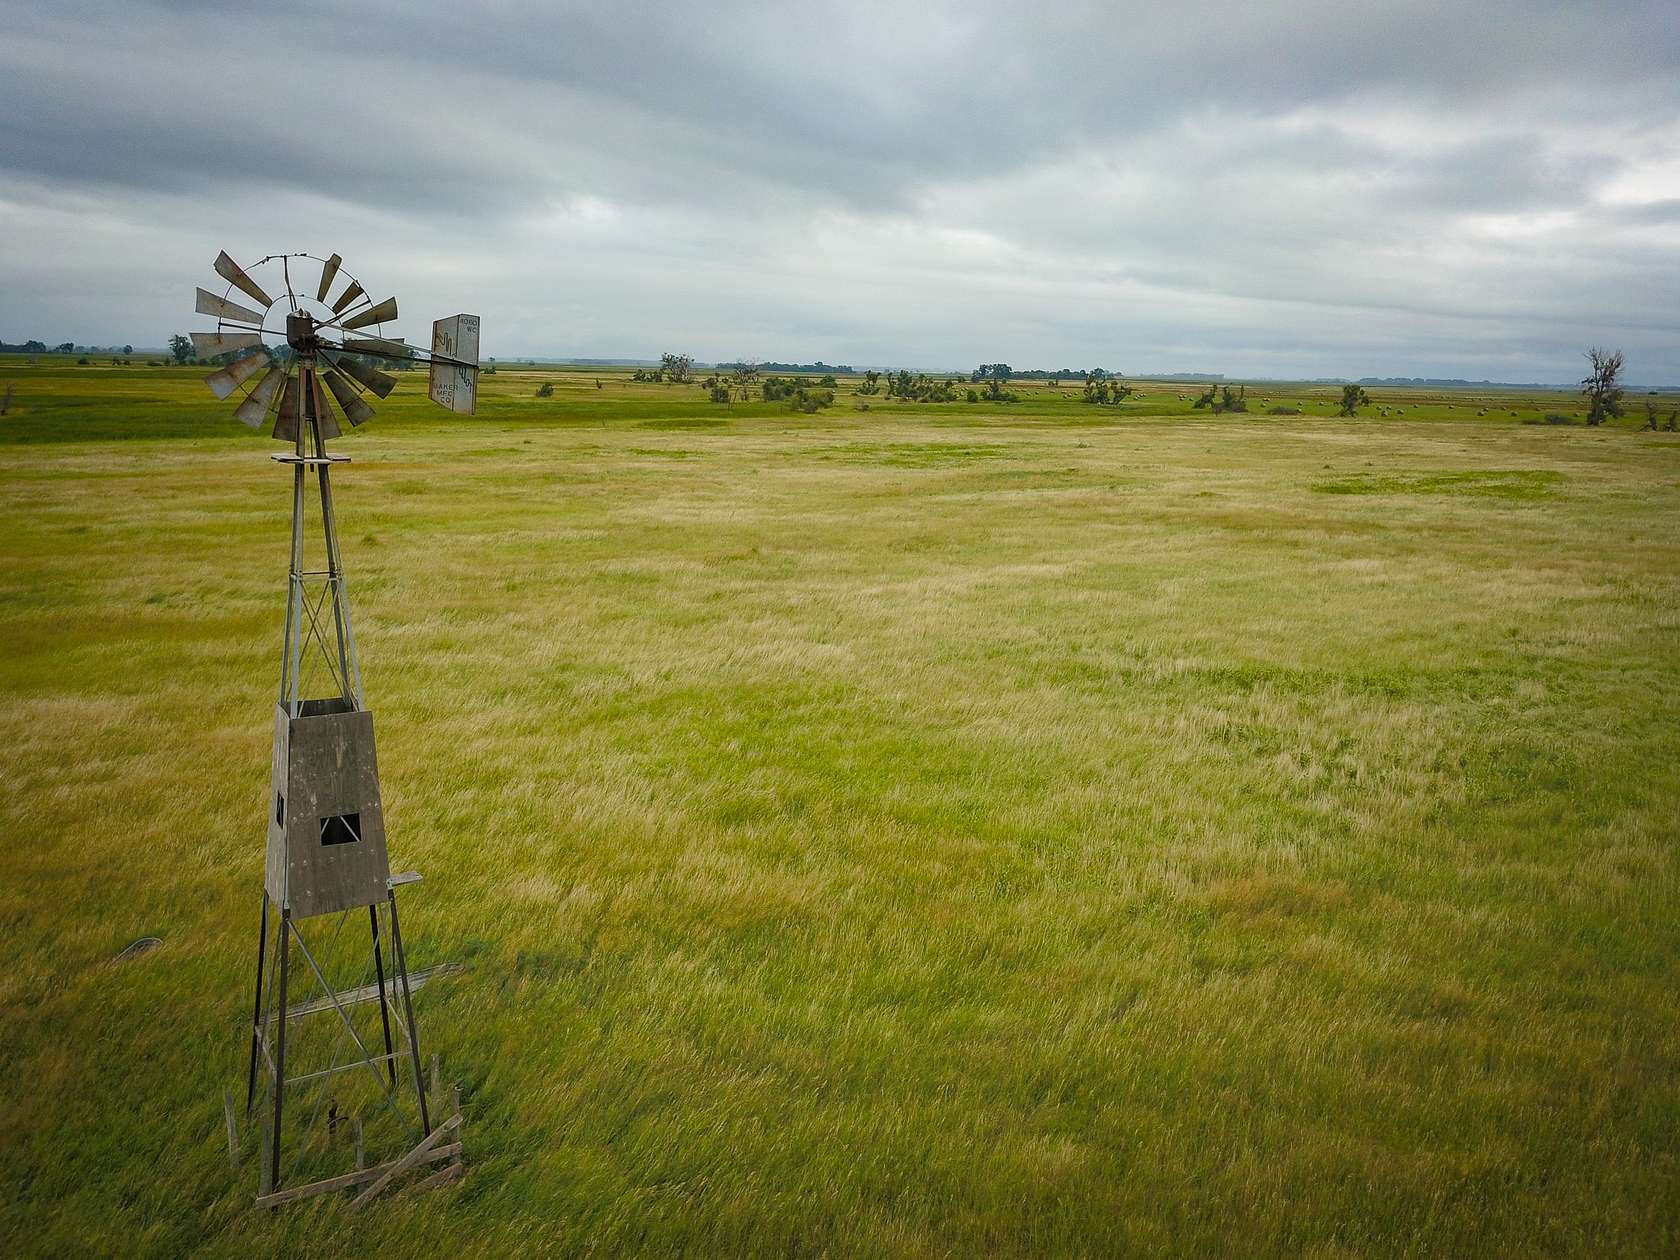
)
(933, 830)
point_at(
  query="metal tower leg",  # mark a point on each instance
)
(408, 1015)
(384, 1011)
(257, 1010)
(280, 1054)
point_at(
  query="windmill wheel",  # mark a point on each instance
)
(320, 343)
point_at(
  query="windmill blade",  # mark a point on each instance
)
(260, 399)
(235, 374)
(210, 304)
(326, 419)
(383, 313)
(329, 273)
(348, 296)
(385, 348)
(356, 411)
(286, 423)
(369, 378)
(209, 345)
(235, 275)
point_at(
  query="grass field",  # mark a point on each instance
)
(930, 831)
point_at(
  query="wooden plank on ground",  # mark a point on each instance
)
(442, 1177)
(293, 1193)
(416, 1156)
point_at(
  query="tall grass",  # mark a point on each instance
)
(941, 831)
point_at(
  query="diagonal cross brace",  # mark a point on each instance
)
(367, 1059)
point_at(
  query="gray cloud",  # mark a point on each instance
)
(1407, 187)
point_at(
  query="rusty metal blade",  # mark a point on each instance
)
(260, 399)
(355, 410)
(208, 345)
(210, 304)
(386, 348)
(369, 378)
(383, 313)
(235, 275)
(286, 422)
(326, 419)
(235, 374)
(329, 273)
(348, 296)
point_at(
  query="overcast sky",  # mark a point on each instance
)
(1470, 188)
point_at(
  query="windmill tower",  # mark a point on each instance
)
(326, 857)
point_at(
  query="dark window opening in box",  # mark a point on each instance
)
(341, 829)
(279, 810)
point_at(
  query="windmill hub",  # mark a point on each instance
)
(300, 334)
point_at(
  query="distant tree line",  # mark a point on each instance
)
(836, 369)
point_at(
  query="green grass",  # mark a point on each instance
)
(929, 831)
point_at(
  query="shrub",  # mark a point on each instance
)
(1219, 400)
(1353, 398)
(720, 393)
(798, 396)
(1104, 391)
(974, 395)
(545, 390)
(1656, 425)
(1284, 411)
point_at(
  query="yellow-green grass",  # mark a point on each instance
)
(940, 830)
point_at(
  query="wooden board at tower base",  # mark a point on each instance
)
(455, 384)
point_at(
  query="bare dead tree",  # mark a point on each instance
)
(1601, 386)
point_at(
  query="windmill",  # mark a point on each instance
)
(326, 852)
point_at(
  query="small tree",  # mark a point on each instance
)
(676, 367)
(1601, 385)
(181, 347)
(545, 390)
(1353, 398)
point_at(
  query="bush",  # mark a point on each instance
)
(828, 380)
(545, 390)
(974, 395)
(798, 396)
(1284, 411)
(719, 393)
(82, 362)
(1104, 391)
(1219, 401)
